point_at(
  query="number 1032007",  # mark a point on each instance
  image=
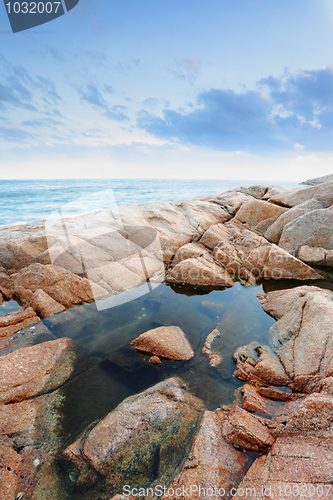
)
(32, 7)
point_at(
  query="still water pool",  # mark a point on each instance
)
(116, 370)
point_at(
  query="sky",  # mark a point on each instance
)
(222, 89)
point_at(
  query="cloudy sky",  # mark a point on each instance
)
(233, 89)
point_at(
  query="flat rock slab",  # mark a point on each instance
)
(36, 370)
(167, 342)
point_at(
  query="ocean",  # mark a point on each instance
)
(23, 201)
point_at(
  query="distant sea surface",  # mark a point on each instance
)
(32, 200)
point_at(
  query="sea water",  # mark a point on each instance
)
(32, 200)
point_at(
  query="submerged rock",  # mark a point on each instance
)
(144, 431)
(214, 358)
(36, 370)
(167, 342)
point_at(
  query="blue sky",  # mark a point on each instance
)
(141, 88)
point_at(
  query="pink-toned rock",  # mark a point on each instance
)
(13, 322)
(36, 370)
(122, 448)
(315, 255)
(155, 360)
(230, 201)
(300, 459)
(4, 279)
(313, 229)
(249, 256)
(292, 197)
(65, 288)
(16, 317)
(114, 276)
(254, 401)
(44, 305)
(214, 358)
(167, 342)
(301, 338)
(273, 262)
(191, 251)
(312, 255)
(6, 293)
(212, 463)
(30, 434)
(244, 430)
(259, 364)
(258, 215)
(257, 191)
(199, 272)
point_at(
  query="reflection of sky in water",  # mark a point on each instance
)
(107, 334)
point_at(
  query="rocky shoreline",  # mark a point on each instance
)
(164, 436)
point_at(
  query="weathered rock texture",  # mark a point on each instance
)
(141, 432)
(300, 460)
(39, 369)
(167, 342)
(301, 341)
(240, 234)
(212, 464)
(16, 321)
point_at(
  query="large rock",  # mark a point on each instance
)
(259, 364)
(315, 255)
(248, 256)
(313, 229)
(167, 342)
(318, 180)
(301, 458)
(31, 434)
(213, 465)
(145, 432)
(322, 192)
(36, 370)
(258, 215)
(302, 337)
(199, 272)
(65, 288)
(274, 232)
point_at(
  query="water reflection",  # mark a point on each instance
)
(106, 335)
